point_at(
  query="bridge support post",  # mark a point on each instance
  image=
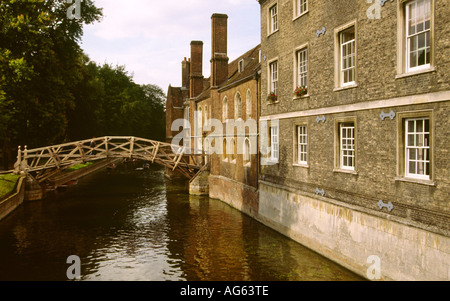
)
(33, 191)
(17, 165)
(200, 184)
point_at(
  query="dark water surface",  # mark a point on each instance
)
(136, 225)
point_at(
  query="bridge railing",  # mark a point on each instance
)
(65, 155)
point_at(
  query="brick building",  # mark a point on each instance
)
(230, 93)
(361, 156)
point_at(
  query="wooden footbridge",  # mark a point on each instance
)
(46, 162)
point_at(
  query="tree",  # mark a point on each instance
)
(38, 63)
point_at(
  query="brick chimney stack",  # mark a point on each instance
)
(196, 69)
(219, 57)
(185, 73)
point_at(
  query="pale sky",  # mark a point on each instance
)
(151, 38)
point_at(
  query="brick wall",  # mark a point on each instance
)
(378, 79)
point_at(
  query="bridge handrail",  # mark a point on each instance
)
(71, 153)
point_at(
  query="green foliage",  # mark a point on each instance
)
(50, 92)
(80, 166)
(7, 184)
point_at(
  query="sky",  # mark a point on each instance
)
(151, 38)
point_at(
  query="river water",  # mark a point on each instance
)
(126, 224)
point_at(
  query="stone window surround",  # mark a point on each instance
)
(269, 17)
(337, 56)
(337, 145)
(401, 41)
(401, 160)
(295, 10)
(295, 67)
(295, 144)
(269, 75)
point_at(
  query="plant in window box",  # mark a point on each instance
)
(272, 97)
(300, 91)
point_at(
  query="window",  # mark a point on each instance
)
(237, 106)
(232, 152)
(418, 35)
(247, 151)
(274, 143)
(417, 148)
(241, 66)
(274, 77)
(302, 68)
(225, 109)
(273, 18)
(347, 145)
(347, 54)
(302, 144)
(249, 104)
(224, 150)
(206, 118)
(301, 6)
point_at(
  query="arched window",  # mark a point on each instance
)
(237, 106)
(248, 103)
(200, 117)
(247, 151)
(225, 109)
(206, 117)
(224, 150)
(233, 151)
(207, 150)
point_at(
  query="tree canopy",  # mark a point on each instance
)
(50, 91)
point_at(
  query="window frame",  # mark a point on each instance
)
(402, 160)
(273, 18)
(248, 103)
(346, 152)
(403, 69)
(274, 135)
(297, 149)
(225, 109)
(297, 67)
(338, 158)
(247, 154)
(273, 83)
(408, 36)
(352, 56)
(296, 5)
(237, 106)
(339, 78)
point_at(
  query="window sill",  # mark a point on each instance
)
(272, 33)
(273, 102)
(300, 165)
(247, 165)
(417, 72)
(345, 87)
(416, 181)
(352, 172)
(301, 15)
(300, 97)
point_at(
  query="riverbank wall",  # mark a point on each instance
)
(14, 200)
(27, 189)
(376, 247)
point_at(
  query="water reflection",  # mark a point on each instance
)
(136, 225)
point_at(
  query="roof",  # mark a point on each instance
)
(251, 65)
